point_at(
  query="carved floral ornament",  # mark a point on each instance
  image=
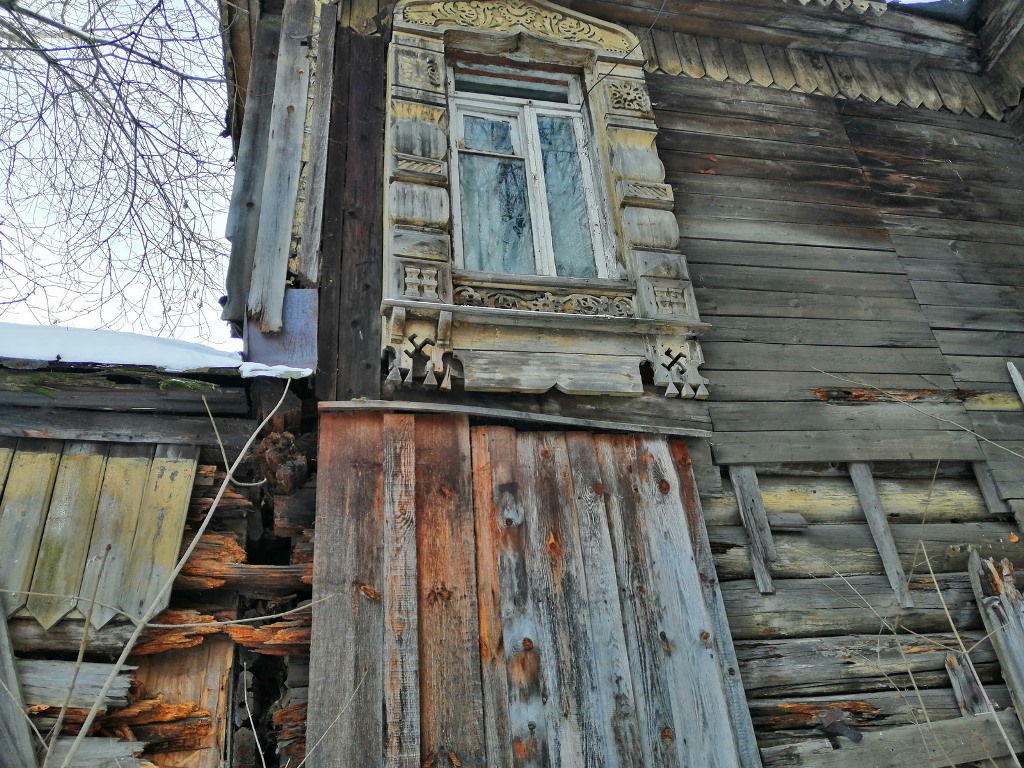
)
(519, 15)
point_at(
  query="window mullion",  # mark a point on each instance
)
(544, 252)
(593, 204)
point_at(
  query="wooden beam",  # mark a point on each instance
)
(511, 415)
(346, 655)
(15, 735)
(736, 699)
(362, 242)
(939, 744)
(451, 697)
(401, 619)
(122, 427)
(250, 168)
(755, 520)
(1001, 610)
(308, 267)
(265, 304)
(864, 483)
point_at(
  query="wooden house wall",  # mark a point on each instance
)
(841, 251)
(951, 193)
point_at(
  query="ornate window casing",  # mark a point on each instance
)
(530, 332)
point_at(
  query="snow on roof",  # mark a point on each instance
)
(57, 344)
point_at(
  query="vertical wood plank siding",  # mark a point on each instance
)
(352, 268)
(451, 698)
(344, 725)
(561, 617)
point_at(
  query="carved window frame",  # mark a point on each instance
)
(580, 335)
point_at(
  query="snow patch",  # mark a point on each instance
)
(58, 344)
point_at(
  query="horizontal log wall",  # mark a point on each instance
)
(951, 193)
(833, 636)
(794, 269)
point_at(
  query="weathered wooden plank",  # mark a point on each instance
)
(100, 751)
(250, 167)
(697, 689)
(49, 682)
(888, 87)
(846, 445)
(819, 133)
(823, 550)
(766, 278)
(664, 44)
(93, 392)
(785, 210)
(654, 706)
(201, 677)
(949, 742)
(825, 184)
(451, 698)
(751, 356)
(23, 510)
(265, 303)
(735, 60)
(689, 55)
(793, 257)
(833, 500)
(846, 605)
(616, 707)
(308, 261)
(821, 331)
(865, 77)
(755, 522)
(863, 481)
(64, 544)
(782, 73)
(780, 720)
(782, 232)
(971, 368)
(8, 445)
(774, 386)
(997, 343)
(739, 713)
(760, 71)
(361, 274)
(161, 521)
(787, 417)
(854, 663)
(577, 728)
(401, 615)
(714, 139)
(328, 325)
(346, 654)
(15, 733)
(122, 428)
(1000, 605)
(714, 63)
(511, 690)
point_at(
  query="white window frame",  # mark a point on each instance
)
(523, 114)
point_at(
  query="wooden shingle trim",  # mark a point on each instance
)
(860, 7)
(823, 74)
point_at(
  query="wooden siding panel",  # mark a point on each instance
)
(451, 698)
(514, 729)
(346, 656)
(23, 514)
(161, 521)
(117, 517)
(401, 609)
(57, 574)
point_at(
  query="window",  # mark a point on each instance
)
(524, 198)
(530, 238)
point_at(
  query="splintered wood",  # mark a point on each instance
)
(563, 567)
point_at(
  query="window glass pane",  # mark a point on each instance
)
(567, 202)
(496, 234)
(485, 135)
